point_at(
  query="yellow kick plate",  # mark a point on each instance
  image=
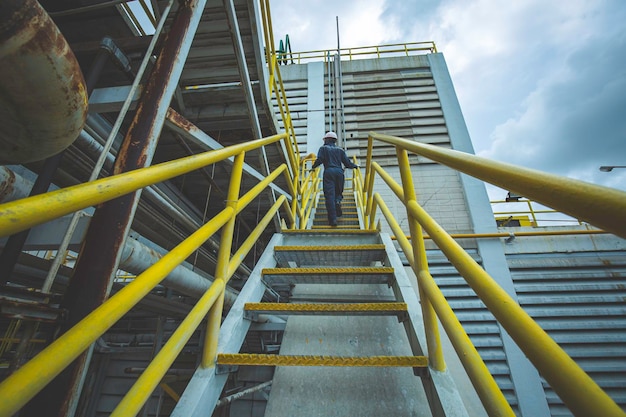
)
(313, 360)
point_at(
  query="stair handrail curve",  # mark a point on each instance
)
(592, 203)
(23, 384)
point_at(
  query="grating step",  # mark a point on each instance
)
(328, 309)
(323, 212)
(280, 276)
(339, 255)
(344, 220)
(329, 231)
(339, 226)
(313, 360)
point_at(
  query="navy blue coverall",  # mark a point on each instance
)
(333, 157)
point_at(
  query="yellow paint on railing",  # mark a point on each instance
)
(23, 214)
(486, 386)
(577, 390)
(221, 269)
(18, 388)
(601, 206)
(395, 227)
(169, 391)
(141, 390)
(376, 51)
(247, 245)
(433, 340)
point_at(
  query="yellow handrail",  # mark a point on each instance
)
(405, 49)
(577, 390)
(27, 381)
(23, 214)
(600, 206)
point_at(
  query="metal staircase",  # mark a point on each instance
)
(349, 218)
(352, 341)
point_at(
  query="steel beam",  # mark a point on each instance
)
(98, 261)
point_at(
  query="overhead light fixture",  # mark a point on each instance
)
(609, 168)
(511, 197)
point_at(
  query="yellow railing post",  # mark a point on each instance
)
(369, 182)
(435, 351)
(221, 269)
(578, 391)
(602, 207)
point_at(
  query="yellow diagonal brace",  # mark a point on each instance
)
(314, 360)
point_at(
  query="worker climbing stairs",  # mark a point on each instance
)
(349, 218)
(352, 344)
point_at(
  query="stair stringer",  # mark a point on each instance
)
(441, 390)
(205, 387)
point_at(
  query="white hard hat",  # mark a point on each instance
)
(330, 135)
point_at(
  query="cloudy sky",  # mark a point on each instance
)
(542, 83)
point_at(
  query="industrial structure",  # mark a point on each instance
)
(165, 249)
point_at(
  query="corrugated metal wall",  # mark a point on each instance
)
(579, 298)
(576, 291)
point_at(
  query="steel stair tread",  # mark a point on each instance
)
(253, 359)
(329, 309)
(378, 275)
(337, 255)
(329, 230)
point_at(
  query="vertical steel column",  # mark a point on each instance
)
(244, 75)
(435, 351)
(110, 225)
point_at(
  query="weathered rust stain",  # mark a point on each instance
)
(98, 259)
(13, 14)
(180, 121)
(6, 187)
(30, 35)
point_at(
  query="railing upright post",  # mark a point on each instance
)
(433, 341)
(223, 259)
(369, 181)
(532, 213)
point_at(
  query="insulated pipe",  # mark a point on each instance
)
(12, 185)
(227, 400)
(92, 147)
(136, 258)
(43, 98)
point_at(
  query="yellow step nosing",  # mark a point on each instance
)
(330, 248)
(329, 229)
(312, 271)
(321, 360)
(392, 308)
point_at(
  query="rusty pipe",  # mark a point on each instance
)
(43, 97)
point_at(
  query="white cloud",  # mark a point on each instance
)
(312, 25)
(541, 84)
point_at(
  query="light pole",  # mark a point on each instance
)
(609, 168)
